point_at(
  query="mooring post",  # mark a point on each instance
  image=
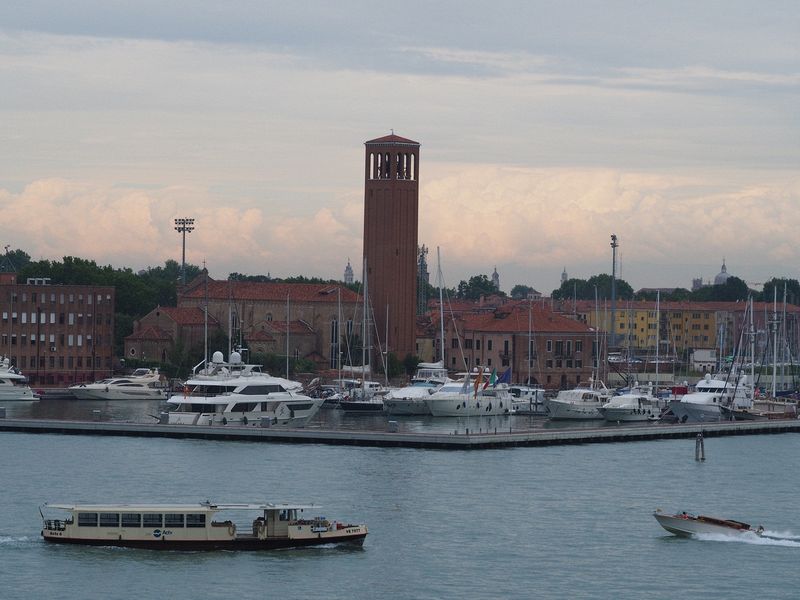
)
(699, 448)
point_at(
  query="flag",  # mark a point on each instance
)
(505, 377)
(465, 387)
(492, 379)
(478, 381)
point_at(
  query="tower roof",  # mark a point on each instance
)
(392, 139)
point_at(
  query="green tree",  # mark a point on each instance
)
(520, 292)
(14, 260)
(792, 287)
(477, 286)
(732, 290)
(585, 289)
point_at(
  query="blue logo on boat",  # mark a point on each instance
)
(156, 533)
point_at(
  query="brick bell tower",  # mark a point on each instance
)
(391, 208)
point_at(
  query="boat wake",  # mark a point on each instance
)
(768, 538)
(8, 540)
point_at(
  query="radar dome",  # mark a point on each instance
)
(236, 358)
(217, 358)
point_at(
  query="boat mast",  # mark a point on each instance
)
(752, 352)
(287, 335)
(205, 323)
(440, 281)
(596, 338)
(338, 332)
(774, 340)
(366, 332)
(658, 332)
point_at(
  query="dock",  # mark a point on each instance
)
(433, 440)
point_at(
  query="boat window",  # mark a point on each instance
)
(287, 515)
(253, 390)
(87, 519)
(109, 519)
(196, 520)
(151, 520)
(131, 520)
(173, 520)
(244, 407)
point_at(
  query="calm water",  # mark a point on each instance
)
(556, 522)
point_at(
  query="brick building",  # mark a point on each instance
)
(254, 313)
(57, 334)
(539, 346)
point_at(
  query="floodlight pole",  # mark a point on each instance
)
(184, 226)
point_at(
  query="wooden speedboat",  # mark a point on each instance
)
(203, 526)
(685, 524)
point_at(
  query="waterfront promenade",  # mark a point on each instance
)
(463, 440)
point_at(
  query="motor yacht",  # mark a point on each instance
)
(13, 384)
(142, 384)
(527, 400)
(202, 526)
(712, 394)
(235, 393)
(459, 399)
(582, 402)
(410, 400)
(636, 404)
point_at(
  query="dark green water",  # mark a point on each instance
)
(556, 522)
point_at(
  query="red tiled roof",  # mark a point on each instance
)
(392, 139)
(686, 305)
(189, 315)
(259, 336)
(256, 290)
(150, 334)
(279, 327)
(513, 318)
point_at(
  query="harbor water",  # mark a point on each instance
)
(548, 522)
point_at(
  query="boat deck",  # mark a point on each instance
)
(449, 441)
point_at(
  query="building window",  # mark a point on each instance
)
(578, 345)
(549, 345)
(489, 345)
(477, 344)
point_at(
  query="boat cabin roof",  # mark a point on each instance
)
(197, 507)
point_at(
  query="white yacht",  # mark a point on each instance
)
(583, 402)
(637, 404)
(527, 400)
(235, 393)
(711, 397)
(142, 384)
(13, 384)
(459, 399)
(410, 400)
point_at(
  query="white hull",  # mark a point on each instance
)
(90, 393)
(628, 415)
(17, 393)
(695, 413)
(466, 405)
(406, 406)
(574, 410)
(295, 413)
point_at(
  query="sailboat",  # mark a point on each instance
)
(364, 396)
(429, 377)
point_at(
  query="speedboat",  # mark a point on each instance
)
(457, 399)
(583, 402)
(235, 393)
(202, 526)
(685, 524)
(13, 384)
(142, 384)
(410, 400)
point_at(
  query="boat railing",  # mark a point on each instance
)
(55, 525)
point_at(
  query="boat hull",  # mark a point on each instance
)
(689, 526)
(574, 410)
(462, 406)
(406, 406)
(353, 406)
(629, 415)
(690, 412)
(95, 394)
(245, 543)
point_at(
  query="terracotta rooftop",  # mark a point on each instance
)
(189, 315)
(513, 318)
(279, 327)
(150, 334)
(584, 306)
(254, 290)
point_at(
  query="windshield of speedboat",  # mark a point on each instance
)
(451, 389)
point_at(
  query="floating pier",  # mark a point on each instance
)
(436, 440)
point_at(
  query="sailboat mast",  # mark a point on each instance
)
(287, 335)
(658, 332)
(338, 332)
(530, 330)
(439, 278)
(366, 332)
(774, 340)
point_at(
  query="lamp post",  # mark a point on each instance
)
(184, 226)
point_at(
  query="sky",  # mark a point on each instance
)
(545, 127)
